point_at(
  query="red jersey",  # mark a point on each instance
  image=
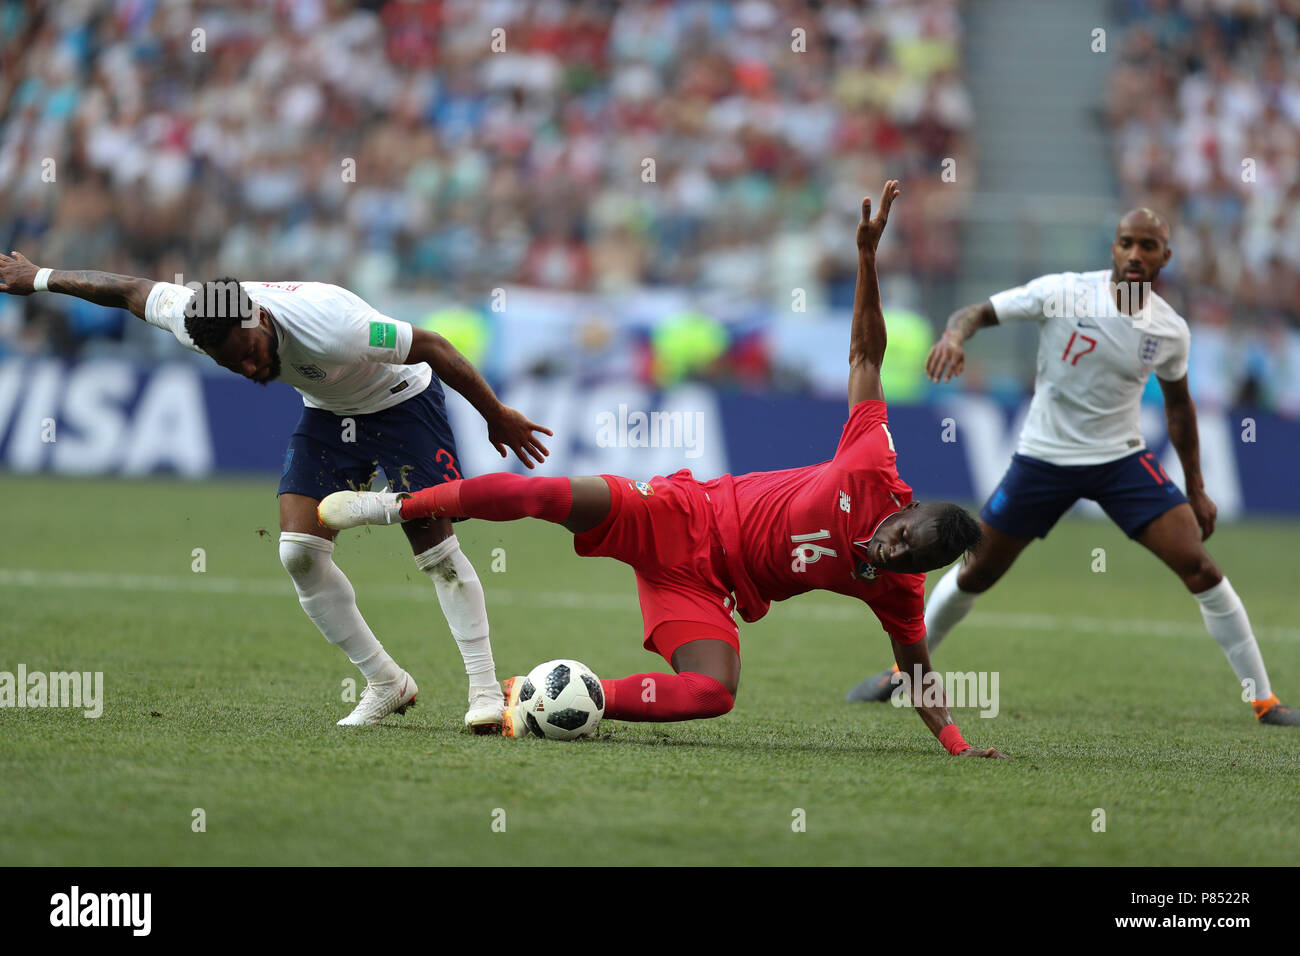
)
(793, 531)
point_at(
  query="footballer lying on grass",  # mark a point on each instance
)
(848, 525)
(371, 392)
(1082, 440)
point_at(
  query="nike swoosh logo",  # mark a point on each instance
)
(1085, 325)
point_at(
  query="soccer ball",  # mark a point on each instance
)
(561, 700)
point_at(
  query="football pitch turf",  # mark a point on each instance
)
(219, 695)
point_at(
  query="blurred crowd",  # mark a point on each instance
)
(471, 144)
(453, 147)
(1204, 110)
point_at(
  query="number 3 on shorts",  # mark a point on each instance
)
(443, 457)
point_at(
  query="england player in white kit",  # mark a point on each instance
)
(1101, 334)
(372, 399)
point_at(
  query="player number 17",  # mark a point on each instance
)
(1092, 344)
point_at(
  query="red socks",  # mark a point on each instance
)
(500, 497)
(664, 697)
(506, 497)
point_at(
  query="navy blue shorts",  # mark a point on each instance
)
(412, 442)
(1133, 491)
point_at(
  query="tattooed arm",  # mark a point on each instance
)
(1180, 419)
(18, 275)
(947, 358)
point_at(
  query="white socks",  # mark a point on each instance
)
(947, 605)
(329, 600)
(461, 595)
(1226, 620)
(326, 594)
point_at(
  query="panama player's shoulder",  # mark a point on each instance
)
(869, 411)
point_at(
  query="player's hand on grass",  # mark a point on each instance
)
(985, 752)
(17, 275)
(1205, 510)
(946, 359)
(869, 229)
(511, 429)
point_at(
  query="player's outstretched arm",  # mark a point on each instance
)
(507, 427)
(18, 276)
(928, 698)
(1180, 419)
(867, 340)
(947, 358)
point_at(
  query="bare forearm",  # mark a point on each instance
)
(1181, 423)
(867, 340)
(924, 685)
(930, 699)
(969, 319)
(103, 288)
(935, 717)
(455, 370)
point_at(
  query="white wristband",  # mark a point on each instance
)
(42, 281)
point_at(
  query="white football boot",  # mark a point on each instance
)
(350, 509)
(486, 707)
(513, 723)
(378, 700)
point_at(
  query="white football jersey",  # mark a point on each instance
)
(1093, 362)
(340, 354)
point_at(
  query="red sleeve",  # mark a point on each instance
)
(901, 609)
(865, 442)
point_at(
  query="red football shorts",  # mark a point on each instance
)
(664, 529)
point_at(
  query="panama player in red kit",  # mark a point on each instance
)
(703, 550)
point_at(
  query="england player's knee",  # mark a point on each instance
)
(1199, 572)
(324, 591)
(447, 565)
(303, 554)
(976, 578)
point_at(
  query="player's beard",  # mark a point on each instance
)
(275, 368)
(1118, 276)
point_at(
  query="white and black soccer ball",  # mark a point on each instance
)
(561, 700)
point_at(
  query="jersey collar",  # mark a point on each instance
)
(275, 326)
(865, 569)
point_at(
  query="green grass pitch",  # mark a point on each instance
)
(220, 695)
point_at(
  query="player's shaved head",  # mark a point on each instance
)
(1139, 252)
(1144, 219)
